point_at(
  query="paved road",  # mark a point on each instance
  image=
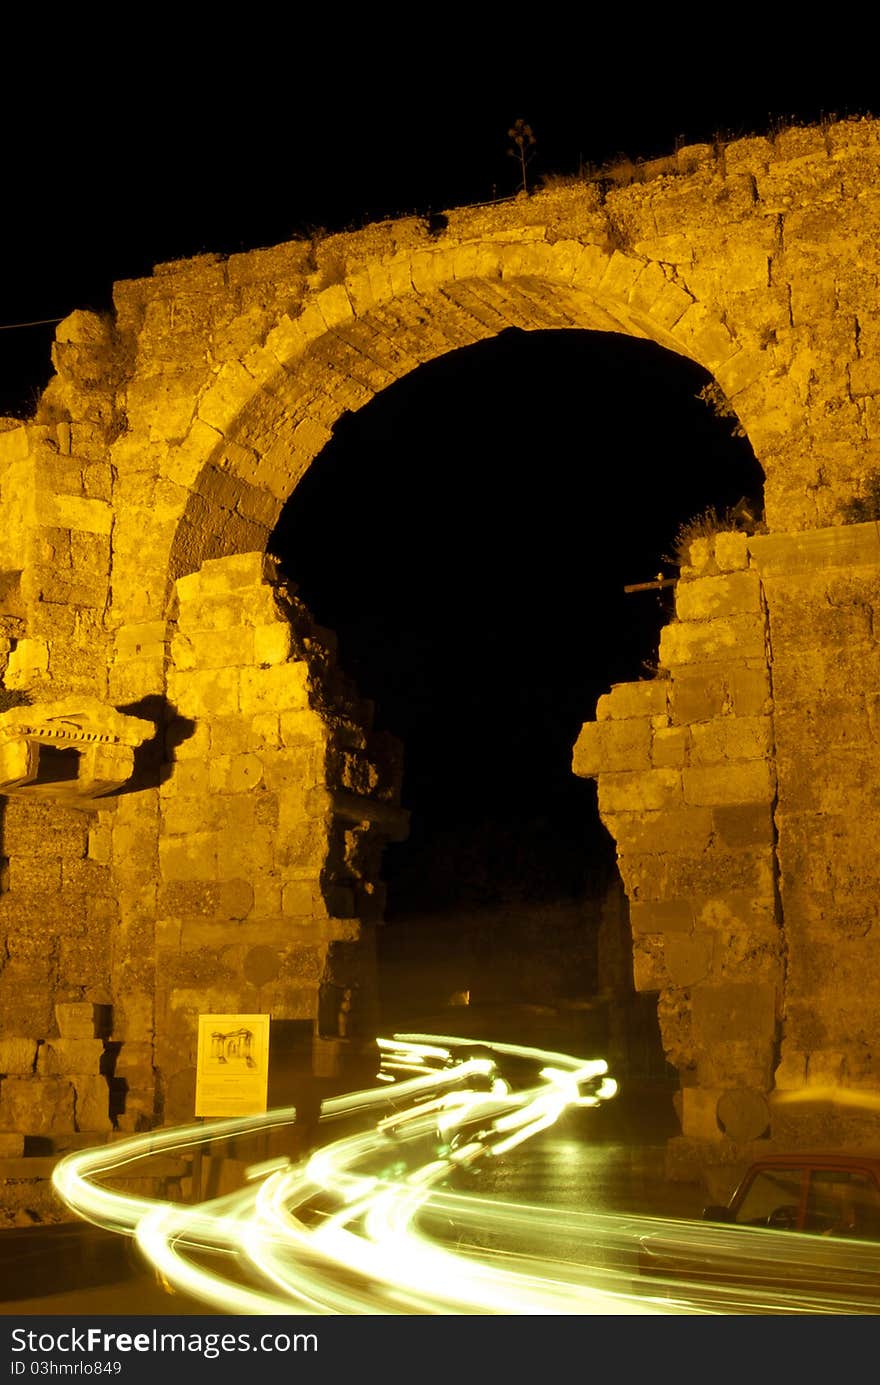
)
(609, 1159)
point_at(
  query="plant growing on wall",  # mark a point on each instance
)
(523, 137)
(713, 396)
(740, 518)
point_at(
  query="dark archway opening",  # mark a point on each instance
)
(469, 535)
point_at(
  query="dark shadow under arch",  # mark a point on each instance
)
(468, 536)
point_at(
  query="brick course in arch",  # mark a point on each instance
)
(172, 434)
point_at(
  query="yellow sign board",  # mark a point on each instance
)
(232, 1067)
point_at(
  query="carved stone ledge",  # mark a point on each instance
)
(72, 751)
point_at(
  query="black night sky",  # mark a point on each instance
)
(468, 535)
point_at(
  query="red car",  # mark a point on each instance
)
(827, 1194)
(801, 1234)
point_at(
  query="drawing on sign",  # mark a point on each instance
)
(232, 1065)
(234, 1046)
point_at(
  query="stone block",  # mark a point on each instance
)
(65, 1057)
(134, 679)
(36, 1105)
(236, 898)
(25, 1005)
(712, 641)
(720, 874)
(669, 747)
(705, 337)
(133, 1014)
(77, 513)
(297, 900)
(279, 688)
(727, 739)
(17, 1056)
(661, 916)
(264, 732)
(240, 817)
(229, 735)
(743, 1114)
(708, 598)
(189, 813)
(744, 825)
(272, 643)
(83, 1020)
(604, 746)
(193, 857)
(206, 693)
(134, 1063)
(219, 900)
(746, 781)
(145, 639)
(701, 557)
(259, 606)
(92, 1104)
(18, 763)
(735, 1011)
(689, 957)
(28, 660)
(134, 850)
(698, 1113)
(625, 700)
(14, 444)
(731, 552)
(244, 774)
(302, 727)
(649, 967)
(672, 829)
(698, 695)
(296, 772)
(267, 896)
(100, 844)
(740, 1063)
(190, 778)
(640, 791)
(213, 649)
(847, 545)
(749, 691)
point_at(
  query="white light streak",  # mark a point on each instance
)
(367, 1223)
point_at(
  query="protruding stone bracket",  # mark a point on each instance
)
(72, 751)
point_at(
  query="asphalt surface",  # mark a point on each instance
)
(606, 1159)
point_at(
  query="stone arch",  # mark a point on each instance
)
(172, 433)
(264, 420)
(262, 423)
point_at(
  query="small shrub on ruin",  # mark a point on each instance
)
(523, 149)
(713, 396)
(740, 518)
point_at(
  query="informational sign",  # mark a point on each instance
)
(232, 1068)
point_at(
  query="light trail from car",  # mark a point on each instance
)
(363, 1225)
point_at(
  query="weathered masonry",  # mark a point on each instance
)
(741, 790)
(195, 806)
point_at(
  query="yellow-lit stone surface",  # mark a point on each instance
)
(137, 506)
(757, 925)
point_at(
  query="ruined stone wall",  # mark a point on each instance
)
(740, 788)
(822, 591)
(175, 429)
(58, 912)
(273, 809)
(237, 872)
